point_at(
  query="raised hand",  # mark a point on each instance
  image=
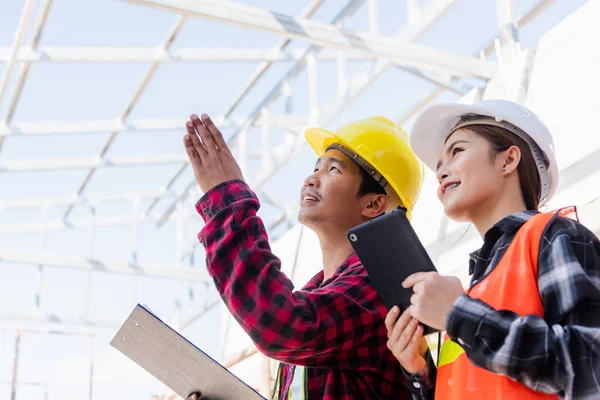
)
(209, 155)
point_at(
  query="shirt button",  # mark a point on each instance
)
(417, 385)
(450, 382)
(205, 211)
(461, 342)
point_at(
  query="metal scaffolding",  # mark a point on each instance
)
(280, 134)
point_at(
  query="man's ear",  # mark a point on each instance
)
(375, 204)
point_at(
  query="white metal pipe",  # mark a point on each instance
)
(92, 359)
(243, 153)
(413, 11)
(92, 162)
(507, 25)
(79, 223)
(88, 295)
(39, 202)
(15, 373)
(44, 230)
(286, 90)
(102, 265)
(374, 17)
(265, 139)
(179, 227)
(46, 331)
(133, 126)
(91, 232)
(43, 247)
(313, 89)
(323, 34)
(135, 229)
(53, 324)
(38, 28)
(102, 54)
(185, 322)
(341, 73)
(16, 45)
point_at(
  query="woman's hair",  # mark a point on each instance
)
(529, 178)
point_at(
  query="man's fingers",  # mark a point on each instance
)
(415, 341)
(189, 127)
(391, 318)
(408, 333)
(205, 135)
(216, 134)
(194, 396)
(400, 326)
(191, 150)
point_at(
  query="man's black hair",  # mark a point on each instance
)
(368, 184)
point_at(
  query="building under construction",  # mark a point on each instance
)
(97, 196)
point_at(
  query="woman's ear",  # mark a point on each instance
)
(511, 158)
(376, 204)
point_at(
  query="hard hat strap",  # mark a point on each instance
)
(364, 164)
(538, 155)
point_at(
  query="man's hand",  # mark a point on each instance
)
(405, 340)
(195, 396)
(433, 297)
(209, 155)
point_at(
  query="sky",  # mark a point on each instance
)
(79, 92)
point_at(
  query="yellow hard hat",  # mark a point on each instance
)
(385, 148)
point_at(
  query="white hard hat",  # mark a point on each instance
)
(433, 126)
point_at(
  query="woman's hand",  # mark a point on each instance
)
(405, 340)
(433, 298)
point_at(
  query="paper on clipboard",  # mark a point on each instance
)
(175, 361)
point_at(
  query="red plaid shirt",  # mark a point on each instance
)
(334, 328)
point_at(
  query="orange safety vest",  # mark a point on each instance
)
(512, 285)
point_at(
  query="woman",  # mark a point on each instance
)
(528, 327)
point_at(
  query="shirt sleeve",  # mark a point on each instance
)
(422, 384)
(338, 325)
(554, 354)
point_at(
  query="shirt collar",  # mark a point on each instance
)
(506, 225)
(317, 280)
(514, 221)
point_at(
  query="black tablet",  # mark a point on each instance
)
(390, 251)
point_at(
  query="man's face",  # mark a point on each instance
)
(329, 196)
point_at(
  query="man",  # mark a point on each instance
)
(330, 336)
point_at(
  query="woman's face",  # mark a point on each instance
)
(470, 176)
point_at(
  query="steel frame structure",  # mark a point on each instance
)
(329, 42)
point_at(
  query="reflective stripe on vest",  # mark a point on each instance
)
(512, 285)
(298, 388)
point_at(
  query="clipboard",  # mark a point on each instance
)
(175, 361)
(390, 251)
